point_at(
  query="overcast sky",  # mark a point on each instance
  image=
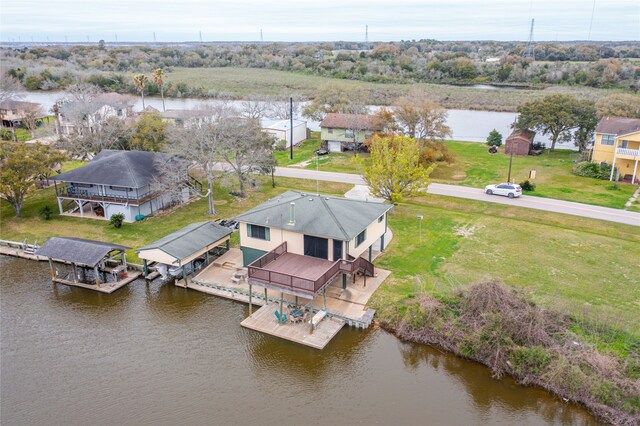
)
(317, 20)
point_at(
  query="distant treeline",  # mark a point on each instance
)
(606, 65)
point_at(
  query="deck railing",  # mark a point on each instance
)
(257, 271)
(72, 192)
(627, 151)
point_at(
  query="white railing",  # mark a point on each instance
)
(627, 151)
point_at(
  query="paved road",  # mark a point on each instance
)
(527, 201)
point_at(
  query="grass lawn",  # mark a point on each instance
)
(32, 227)
(474, 166)
(248, 82)
(304, 152)
(577, 265)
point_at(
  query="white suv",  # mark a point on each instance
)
(510, 190)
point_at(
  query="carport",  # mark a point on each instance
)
(182, 247)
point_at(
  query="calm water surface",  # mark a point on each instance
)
(159, 354)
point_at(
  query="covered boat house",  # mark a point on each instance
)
(186, 250)
(95, 265)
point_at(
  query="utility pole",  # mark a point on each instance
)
(510, 163)
(291, 130)
(261, 37)
(366, 37)
(154, 36)
(201, 36)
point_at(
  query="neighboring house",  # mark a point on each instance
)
(519, 142)
(126, 182)
(297, 243)
(281, 130)
(618, 143)
(72, 120)
(186, 117)
(340, 131)
(12, 113)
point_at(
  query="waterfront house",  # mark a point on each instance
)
(13, 113)
(347, 131)
(129, 182)
(519, 142)
(78, 118)
(297, 243)
(281, 130)
(618, 143)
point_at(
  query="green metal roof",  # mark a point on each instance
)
(188, 240)
(318, 215)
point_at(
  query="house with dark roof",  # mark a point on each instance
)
(298, 243)
(618, 144)
(347, 131)
(128, 182)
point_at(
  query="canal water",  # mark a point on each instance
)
(466, 125)
(158, 354)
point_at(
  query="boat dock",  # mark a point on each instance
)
(107, 287)
(343, 306)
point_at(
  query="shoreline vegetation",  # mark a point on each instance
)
(229, 83)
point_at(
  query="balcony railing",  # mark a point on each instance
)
(130, 197)
(627, 151)
(258, 272)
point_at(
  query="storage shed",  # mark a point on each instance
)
(519, 142)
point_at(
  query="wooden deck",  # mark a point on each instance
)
(307, 267)
(265, 321)
(107, 288)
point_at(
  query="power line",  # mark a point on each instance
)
(591, 22)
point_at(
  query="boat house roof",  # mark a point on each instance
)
(132, 169)
(188, 242)
(318, 215)
(78, 250)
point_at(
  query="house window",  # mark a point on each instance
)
(349, 133)
(608, 140)
(330, 130)
(381, 218)
(83, 185)
(120, 188)
(624, 144)
(361, 237)
(259, 232)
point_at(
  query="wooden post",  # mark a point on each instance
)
(206, 258)
(124, 258)
(344, 281)
(227, 244)
(365, 279)
(97, 275)
(296, 301)
(281, 313)
(74, 272)
(145, 269)
(324, 297)
(370, 252)
(250, 306)
(184, 275)
(53, 272)
(266, 298)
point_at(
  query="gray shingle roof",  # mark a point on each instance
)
(133, 169)
(318, 215)
(77, 250)
(188, 240)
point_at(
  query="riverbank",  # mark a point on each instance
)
(495, 326)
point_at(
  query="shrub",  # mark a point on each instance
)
(6, 134)
(592, 170)
(117, 219)
(46, 212)
(281, 145)
(494, 138)
(531, 360)
(528, 186)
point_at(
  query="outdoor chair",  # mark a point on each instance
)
(282, 318)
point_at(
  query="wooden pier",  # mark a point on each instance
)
(108, 287)
(265, 321)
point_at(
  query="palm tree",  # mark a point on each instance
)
(158, 78)
(140, 80)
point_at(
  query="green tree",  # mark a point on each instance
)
(393, 170)
(494, 138)
(619, 105)
(158, 79)
(149, 133)
(555, 116)
(140, 81)
(21, 166)
(421, 117)
(586, 122)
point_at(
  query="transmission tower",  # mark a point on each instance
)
(366, 37)
(528, 50)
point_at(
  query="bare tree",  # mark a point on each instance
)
(171, 180)
(10, 87)
(113, 133)
(421, 117)
(282, 109)
(256, 109)
(30, 118)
